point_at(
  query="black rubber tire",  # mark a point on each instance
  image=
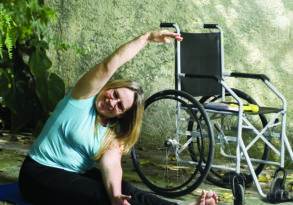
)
(277, 191)
(239, 198)
(224, 180)
(157, 136)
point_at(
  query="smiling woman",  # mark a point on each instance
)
(120, 105)
(96, 121)
(114, 102)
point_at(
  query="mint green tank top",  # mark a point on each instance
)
(70, 140)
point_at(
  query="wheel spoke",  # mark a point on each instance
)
(165, 131)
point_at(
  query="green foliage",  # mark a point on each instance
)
(7, 32)
(49, 86)
(20, 20)
(28, 89)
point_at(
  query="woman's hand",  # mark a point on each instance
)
(121, 200)
(163, 36)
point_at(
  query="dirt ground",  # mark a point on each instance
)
(12, 153)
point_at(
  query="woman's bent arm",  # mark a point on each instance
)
(111, 169)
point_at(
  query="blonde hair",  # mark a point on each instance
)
(126, 128)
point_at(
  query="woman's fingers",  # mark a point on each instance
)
(122, 200)
(125, 197)
(169, 39)
(126, 203)
(170, 36)
(164, 36)
(174, 35)
(179, 38)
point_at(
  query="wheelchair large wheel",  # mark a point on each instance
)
(162, 156)
(224, 128)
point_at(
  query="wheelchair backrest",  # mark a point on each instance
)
(201, 56)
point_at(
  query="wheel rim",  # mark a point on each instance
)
(163, 168)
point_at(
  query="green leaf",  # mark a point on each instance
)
(25, 23)
(39, 62)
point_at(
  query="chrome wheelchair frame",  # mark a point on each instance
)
(200, 110)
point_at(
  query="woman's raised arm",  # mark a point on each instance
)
(93, 80)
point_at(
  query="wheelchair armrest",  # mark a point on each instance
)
(262, 77)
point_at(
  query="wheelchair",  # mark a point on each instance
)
(204, 129)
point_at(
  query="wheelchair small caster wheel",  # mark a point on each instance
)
(278, 193)
(238, 186)
(238, 193)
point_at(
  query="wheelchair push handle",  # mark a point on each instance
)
(170, 25)
(210, 26)
(167, 25)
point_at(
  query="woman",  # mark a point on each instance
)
(98, 121)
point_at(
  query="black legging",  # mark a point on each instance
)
(42, 185)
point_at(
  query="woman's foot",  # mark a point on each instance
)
(206, 198)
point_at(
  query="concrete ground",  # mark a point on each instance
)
(13, 153)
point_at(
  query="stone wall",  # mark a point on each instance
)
(258, 39)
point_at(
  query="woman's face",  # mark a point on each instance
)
(114, 102)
